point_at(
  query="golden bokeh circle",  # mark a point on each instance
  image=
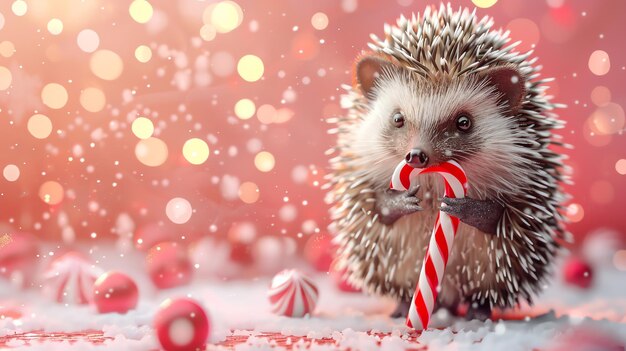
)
(245, 108)
(51, 192)
(226, 16)
(141, 11)
(55, 26)
(6, 78)
(143, 53)
(92, 99)
(7, 49)
(142, 127)
(484, 3)
(208, 32)
(250, 68)
(151, 152)
(19, 7)
(39, 126)
(196, 151)
(54, 95)
(264, 161)
(106, 64)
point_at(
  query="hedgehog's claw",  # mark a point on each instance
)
(479, 311)
(392, 205)
(402, 310)
(483, 215)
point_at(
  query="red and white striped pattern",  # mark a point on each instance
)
(292, 294)
(441, 239)
(70, 279)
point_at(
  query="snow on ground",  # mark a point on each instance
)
(241, 308)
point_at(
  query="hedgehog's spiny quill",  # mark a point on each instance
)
(454, 43)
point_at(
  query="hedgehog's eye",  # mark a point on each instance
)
(463, 123)
(398, 119)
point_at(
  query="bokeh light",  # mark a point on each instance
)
(319, 21)
(143, 53)
(245, 108)
(92, 99)
(249, 192)
(266, 113)
(54, 95)
(141, 11)
(55, 26)
(608, 119)
(599, 63)
(7, 49)
(151, 152)
(264, 161)
(5, 78)
(620, 166)
(39, 126)
(575, 212)
(11, 172)
(106, 64)
(250, 68)
(178, 210)
(225, 16)
(88, 40)
(208, 32)
(196, 151)
(484, 3)
(51, 192)
(142, 127)
(19, 7)
(600, 95)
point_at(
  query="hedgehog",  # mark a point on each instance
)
(443, 85)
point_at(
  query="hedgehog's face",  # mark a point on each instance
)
(428, 121)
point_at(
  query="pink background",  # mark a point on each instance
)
(566, 33)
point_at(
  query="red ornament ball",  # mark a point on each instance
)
(181, 325)
(577, 272)
(115, 292)
(168, 265)
(149, 235)
(339, 277)
(319, 250)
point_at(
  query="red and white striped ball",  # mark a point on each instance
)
(70, 277)
(181, 325)
(292, 294)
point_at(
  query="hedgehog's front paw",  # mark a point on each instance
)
(483, 215)
(479, 311)
(391, 205)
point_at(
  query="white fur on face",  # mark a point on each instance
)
(492, 153)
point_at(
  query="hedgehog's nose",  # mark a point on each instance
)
(417, 158)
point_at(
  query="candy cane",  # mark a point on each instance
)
(441, 239)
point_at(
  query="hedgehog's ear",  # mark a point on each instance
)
(367, 69)
(509, 83)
